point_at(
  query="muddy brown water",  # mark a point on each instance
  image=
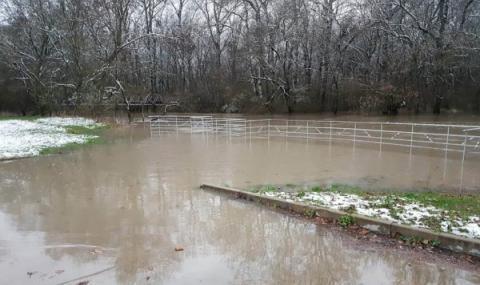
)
(113, 214)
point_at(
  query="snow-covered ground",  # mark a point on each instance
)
(19, 138)
(399, 210)
(59, 121)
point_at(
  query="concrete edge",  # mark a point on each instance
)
(447, 241)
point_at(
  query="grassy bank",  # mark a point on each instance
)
(441, 212)
(460, 204)
(95, 137)
(31, 136)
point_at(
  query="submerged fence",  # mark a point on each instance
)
(443, 137)
(464, 140)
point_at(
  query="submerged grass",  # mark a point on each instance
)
(263, 188)
(81, 130)
(96, 131)
(69, 147)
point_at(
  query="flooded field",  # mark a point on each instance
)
(114, 213)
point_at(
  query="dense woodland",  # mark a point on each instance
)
(375, 56)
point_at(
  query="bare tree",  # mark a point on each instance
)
(226, 55)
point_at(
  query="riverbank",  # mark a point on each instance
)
(439, 212)
(361, 225)
(31, 136)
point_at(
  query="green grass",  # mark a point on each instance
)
(339, 188)
(263, 189)
(316, 189)
(301, 194)
(70, 147)
(78, 130)
(342, 188)
(463, 205)
(310, 213)
(452, 208)
(456, 205)
(345, 221)
(75, 130)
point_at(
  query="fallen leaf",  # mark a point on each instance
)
(363, 232)
(178, 248)
(469, 258)
(322, 221)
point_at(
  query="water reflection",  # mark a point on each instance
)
(127, 205)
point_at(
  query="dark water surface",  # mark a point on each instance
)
(120, 209)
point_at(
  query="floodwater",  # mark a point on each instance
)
(114, 213)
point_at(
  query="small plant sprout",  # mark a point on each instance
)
(269, 188)
(316, 189)
(345, 221)
(301, 194)
(310, 213)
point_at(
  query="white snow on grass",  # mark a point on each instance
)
(398, 210)
(19, 138)
(63, 122)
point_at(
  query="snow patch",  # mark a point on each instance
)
(19, 138)
(63, 122)
(402, 211)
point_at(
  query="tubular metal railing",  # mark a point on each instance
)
(444, 137)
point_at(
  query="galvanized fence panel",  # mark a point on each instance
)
(441, 137)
